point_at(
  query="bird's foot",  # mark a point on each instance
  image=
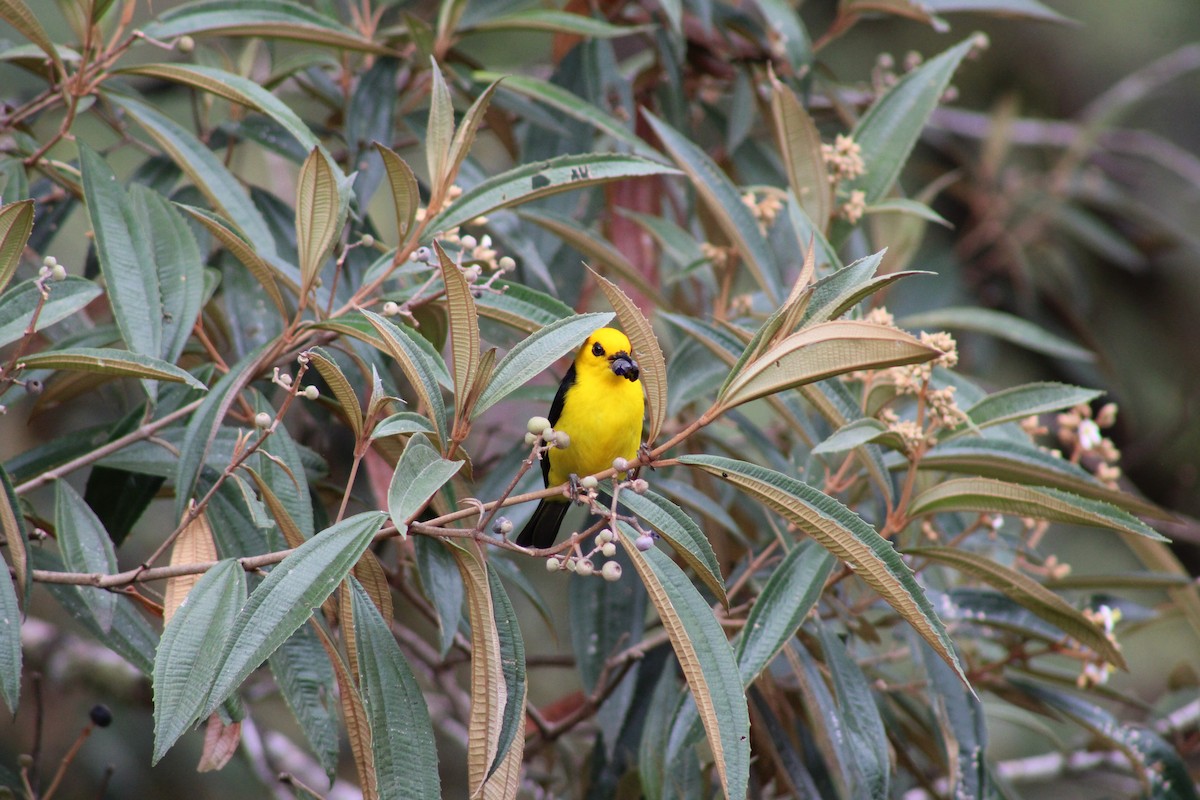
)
(646, 459)
(574, 491)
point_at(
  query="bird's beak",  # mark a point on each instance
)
(625, 366)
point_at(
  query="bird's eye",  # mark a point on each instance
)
(597, 349)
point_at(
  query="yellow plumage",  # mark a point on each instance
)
(599, 405)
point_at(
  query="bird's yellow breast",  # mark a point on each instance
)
(602, 413)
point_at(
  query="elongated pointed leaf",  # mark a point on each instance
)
(1007, 327)
(1029, 399)
(306, 682)
(12, 526)
(107, 361)
(272, 19)
(318, 220)
(1027, 592)
(857, 433)
(542, 179)
(862, 724)
(16, 223)
(553, 21)
(194, 545)
(821, 351)
(724, 202)
(354, 715)
(653, 375)
(443, 586)
(406, 195)
(683, 534)
(282, 602)
(67, 297)
(800, 143)
(10, 641)
(125, 257)
(843, 533)
(406, 761)
(342, 390)
(418, 365)
(85, 547)
(990, 496)
(263, 272)
(205, 169)
(790, 593)
(419, 474)
(535, 353)
(188, 656)
(521, 307)
(439, 132)
(501, 773)
(464, 332)
(706, 658)
(464, 137)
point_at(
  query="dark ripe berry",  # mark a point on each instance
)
(101, 715)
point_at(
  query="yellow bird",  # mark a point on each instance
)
(600, 406)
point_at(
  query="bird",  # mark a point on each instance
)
(600, 406)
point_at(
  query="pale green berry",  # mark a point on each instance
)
(368, 240)
(585, 567)
(58, 272)
(530, 439)
(507, 264)
(609, 549)
(553, 564)
(571, 565)
(611, 571)
(311, 392)
(605, 535)
(186, 44)
(561, 440)
(537, 424)
(640, 486)
(620, 464)
(262, 419)
(589, 482)
(468, 242)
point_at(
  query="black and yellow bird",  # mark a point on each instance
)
(600, 406)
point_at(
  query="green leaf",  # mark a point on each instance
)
(821, 351)
(420, 365)
(535, 353)
(12, 526)
(340, 386)
(205, 169)
(244, 252)
(286, 599)
(1027, 400)
(420, 472)
(18, 15)
(790, 593)
(126, 260)
(402, 740)
(552, 21)
(1028, 593)
(188, 655)
(16, 223)
(439, 132)
(573, 106)
(520, 307)
(403, 423)
(861, 723)
(464, 333)
(904, 205)
(960, 716)
(234, 88)
(541, 179)
(855, 434)
(319, 216)
(10, 642)
(406, 194)
(85, 547)
(66, 297)
(1007, 327)
(800, 143)
(108, 361)
(724, 202)
(306, 681)
(178, 265)
(269, 19)
(512, 664)
(843, 533)
(706, 658)
(990, 496)
(443, 586)
(1020, 9)
(683, 534)
(891, 127)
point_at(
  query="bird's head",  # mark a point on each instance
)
(608, 349)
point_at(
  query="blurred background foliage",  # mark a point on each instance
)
(1064, 162)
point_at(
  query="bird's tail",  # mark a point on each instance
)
(542, 528)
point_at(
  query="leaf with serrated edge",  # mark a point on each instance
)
(16, 223)
(270, 19)
(188, 655)
(843, 533)
(535, 353)
(821, 351)
(12, 526)
(800, 143)
(649, 355)
(401, 732)
(522, 308)
(108, 361)
(1027, 400)
(317, 217)
(420, 472)
(10, 642)
(439, 132)
(283, 601)
(1007, 327)
(512, 662)
(990, 496)
(489, 694)
(464, 333)
(194, 545)
(683, 534)
(706, 659)
(18, 15)
(66, 298)
(85, 547)
(340, 386)
(464, 137)
(406, 195)
(354, 716)
(415, 364)
(1026, 592)
(243, 252)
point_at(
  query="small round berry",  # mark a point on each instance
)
(548, 435)
(507, 264)
(422, 254)
(262, 419)
(588, 482)
(49, 261)
(604, 536)
(609, 549)
(468, 242)
(473, 272)
(530, 439)
(561, 440)
(611, 571)
(367, 240)
(553, 564)
(537, 424)
(391, 308)
(101, 715)
(34, 386)
(644, 542)
(640, 486)
(285, 379)
(620, 464)
(585, 567)
(186, 44)
(311, 392)
(571, 564)
(58, 272)
(504, 526)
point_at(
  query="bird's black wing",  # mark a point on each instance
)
(556, 409)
